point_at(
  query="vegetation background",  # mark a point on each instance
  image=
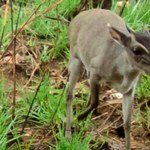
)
(34, 52)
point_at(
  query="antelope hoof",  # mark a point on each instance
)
(68, 134)
(82, 116)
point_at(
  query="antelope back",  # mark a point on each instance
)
(98, 45)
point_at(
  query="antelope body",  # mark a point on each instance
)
(101, 42)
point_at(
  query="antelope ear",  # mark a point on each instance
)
(118, 36)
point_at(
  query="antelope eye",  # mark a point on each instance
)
(138, 50)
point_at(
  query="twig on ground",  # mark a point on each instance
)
(27, 116)
(14, 54)
(32, 74)
(63, 20)
(13, 63)
(99, 116)
(106, 127)
(109, 115)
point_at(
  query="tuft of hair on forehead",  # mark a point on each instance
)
(143, 38)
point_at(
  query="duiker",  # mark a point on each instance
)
(101, 42)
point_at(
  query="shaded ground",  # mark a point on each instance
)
(108, 119)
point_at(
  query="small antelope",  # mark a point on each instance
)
(101, 42)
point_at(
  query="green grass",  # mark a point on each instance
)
(79, 139)
(143, 90)
(45, 30)
(48, 100)
(138, 16)
(5, 126)
(6, 121)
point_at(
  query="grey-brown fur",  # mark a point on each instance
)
(101, 42)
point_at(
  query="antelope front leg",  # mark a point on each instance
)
(127, 111)
(75, 71)
(69, 116)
